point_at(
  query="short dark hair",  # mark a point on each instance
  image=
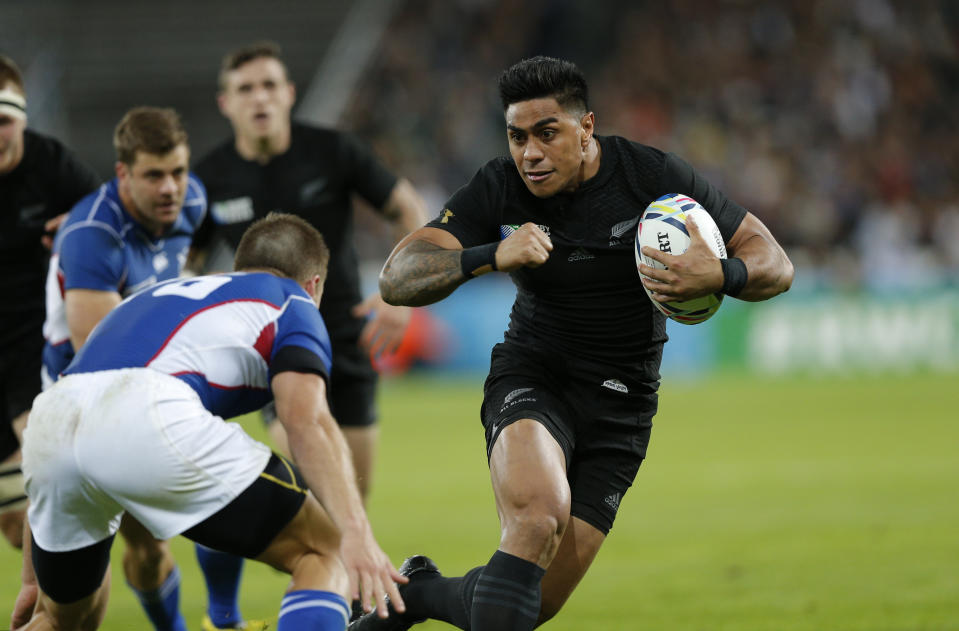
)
(286, 244)
(10, 74)
(543, 77)
(257, 50)
(155, 130)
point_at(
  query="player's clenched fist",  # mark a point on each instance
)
(528, 246)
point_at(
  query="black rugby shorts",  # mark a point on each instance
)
(20, 364)
(600, 416)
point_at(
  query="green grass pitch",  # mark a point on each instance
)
(764, 504)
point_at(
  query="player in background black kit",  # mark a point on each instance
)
(569, 401)
(40, 180)
(274, 164)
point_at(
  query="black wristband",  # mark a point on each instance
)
(473, 259)
(734, 276)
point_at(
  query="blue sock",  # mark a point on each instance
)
(222, 573)
(313, 609)
(162, 605)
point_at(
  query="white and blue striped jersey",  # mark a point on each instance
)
(225, 335)
(101, 246)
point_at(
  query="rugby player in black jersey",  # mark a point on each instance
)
(571, 393)
(40, 180)
(274, 164)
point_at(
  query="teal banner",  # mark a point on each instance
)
(824, 332)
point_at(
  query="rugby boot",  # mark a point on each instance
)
(415, 568)
(247, 625)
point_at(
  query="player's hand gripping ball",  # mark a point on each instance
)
(663, 227)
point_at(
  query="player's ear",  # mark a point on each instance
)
(221, 102)
(587, 122)
(122, 170)
(314, 287)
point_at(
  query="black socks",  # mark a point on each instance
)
(503, 595)
(507, 595)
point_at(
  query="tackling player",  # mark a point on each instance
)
(131, 233)
(569, 401)
(144, 402)
(274, 164)
(40, 180)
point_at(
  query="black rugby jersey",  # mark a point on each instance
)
(587, 300)
(315, 179)
(48, 181)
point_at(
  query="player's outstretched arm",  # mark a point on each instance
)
(323, 457)
(769, 272)
(430, 263)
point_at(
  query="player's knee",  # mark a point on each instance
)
(537, 528)
(11, 525)
(303, 547)
(13, 500)
(145, 556)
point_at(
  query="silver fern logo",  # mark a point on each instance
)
(515, 393)
(617, 232)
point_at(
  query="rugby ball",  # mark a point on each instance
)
(663, 227)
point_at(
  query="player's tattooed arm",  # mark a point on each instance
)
(420, 272)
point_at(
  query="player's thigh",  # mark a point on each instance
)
(310, 531)
(274, 520)
(610, 447)
(84, 615)
(581, 542)
(528, 468)
(13, 500)
(141, 545)
(74, 586)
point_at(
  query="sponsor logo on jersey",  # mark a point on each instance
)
(613, 500)
(617, 233)
(233, 210)
(313, 192)
(580, 254)
(447, 213)
(615, 384)
(28, 214)
(160, 262)
(507, 229)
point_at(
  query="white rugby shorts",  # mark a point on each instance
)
(135, 440)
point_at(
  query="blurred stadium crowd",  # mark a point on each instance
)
(835, 122)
